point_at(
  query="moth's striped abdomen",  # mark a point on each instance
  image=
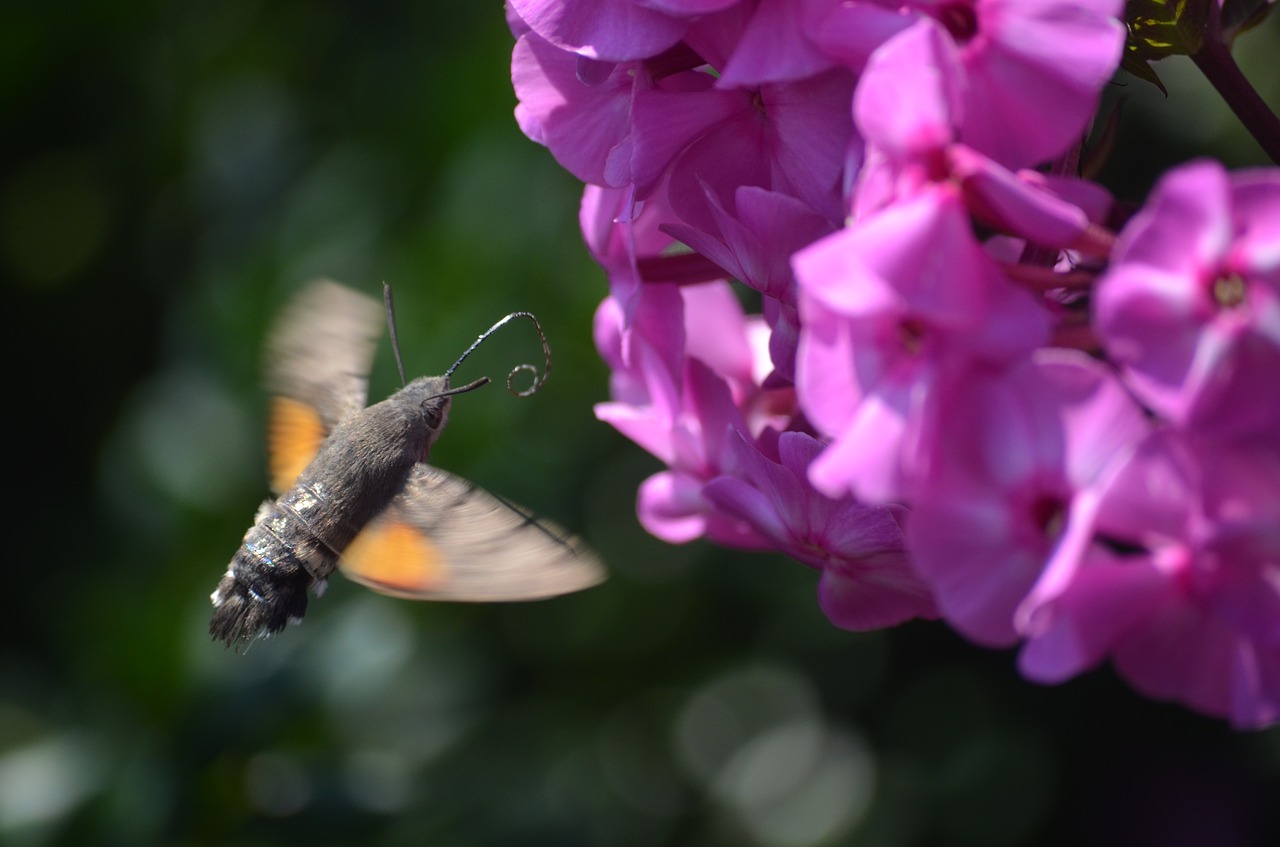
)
(279, 561)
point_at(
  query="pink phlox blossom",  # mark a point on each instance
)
(909, 101)
(753, 239)
(908, 108)
(626, 239)
(583, 110)
(612, 30)
(579, 121)
(1035, 69)
(866, 581)
(686, 371)
(649, 352)
(895, 309)
(644, 351)
(629, 124)
(753, 242)
(665, 121)
(1028, 71)
(848, 33)
(892, 181)
(1049, 211)
(773, 43)
(1011, 485)
(783, 321)
(788, 137)
(1182, 591)
(1190, 307)
(671, 504)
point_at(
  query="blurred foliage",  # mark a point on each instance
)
(172, 172)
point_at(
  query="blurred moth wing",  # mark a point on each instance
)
(318, 361)
(441, 537)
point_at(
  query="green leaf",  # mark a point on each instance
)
(1141, 68)
(1160, 28)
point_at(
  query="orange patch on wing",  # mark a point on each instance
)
(294, 433)
(394, 558)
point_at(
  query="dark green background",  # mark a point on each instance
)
(171, 173)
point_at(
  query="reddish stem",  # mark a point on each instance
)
(1047, 279)
(680, 268)
(1215, 61)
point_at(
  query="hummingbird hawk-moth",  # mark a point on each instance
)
(354, 491)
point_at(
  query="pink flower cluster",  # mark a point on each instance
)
(953, 390)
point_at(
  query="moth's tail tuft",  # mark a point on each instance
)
(240, 614)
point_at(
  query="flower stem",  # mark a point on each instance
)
(1215, 61)
(680, 268)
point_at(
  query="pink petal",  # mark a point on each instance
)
(1035, 74)
(874, 597)
(773, 47)
(613, 30)
(670, 507)
(910, 97)
(1106, 600)
(579, 123)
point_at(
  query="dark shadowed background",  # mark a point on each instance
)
(171, 173)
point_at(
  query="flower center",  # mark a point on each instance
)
(674, 60)
(960, 20)
(1229, 291)
(1049, 515)
(911, 335)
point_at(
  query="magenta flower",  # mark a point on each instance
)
(907, 108)
(894, 310)
(753, 243)
(894, 189)
(775, 46)
(665, 118)
(613, 30)
(790, 137)
(1028, 71)
(626, 239)
(1190, 308)
(1012, 484)
(753, 240)
(1035, 69)
(671, 504)
(866, 581)
(1182, 587)
(910, 97)
(644, 350)
(685, 377)
(579, 122)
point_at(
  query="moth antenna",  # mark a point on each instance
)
(391, 327)
(538, 378)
